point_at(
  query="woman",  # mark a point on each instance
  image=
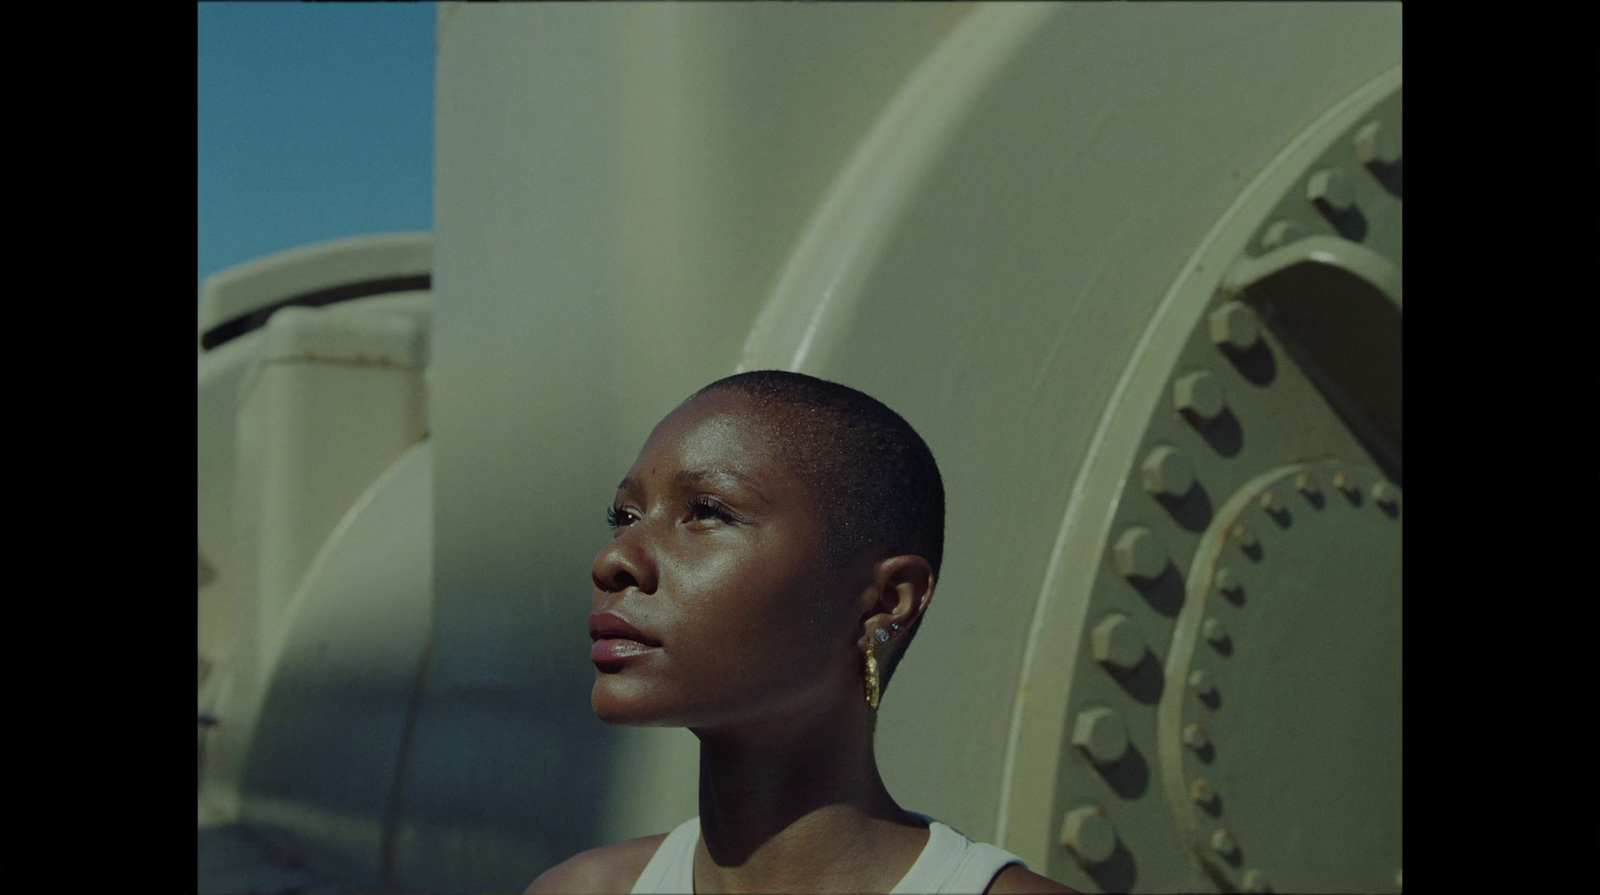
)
(774, 548)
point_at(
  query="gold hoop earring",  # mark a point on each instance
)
(872, 678)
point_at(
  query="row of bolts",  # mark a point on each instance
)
(1233, 327)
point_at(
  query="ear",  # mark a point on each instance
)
(901, 589)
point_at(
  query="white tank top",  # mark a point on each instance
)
(949, 863)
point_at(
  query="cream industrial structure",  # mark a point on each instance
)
(1132, 269)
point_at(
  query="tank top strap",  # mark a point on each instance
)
(671, 868)
(979, 865)
(952, 863)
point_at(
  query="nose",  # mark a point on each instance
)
(624, 562)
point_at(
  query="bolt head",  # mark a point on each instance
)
(1213, 631)
(1223, 843)
(1331, 191)
(1140, 556)
(1377, 145)
(1270, 502)
(1306, 484)
(1089, 834)
(1116, 643)
(1200, 683)
(1281, 233)
(1195, 736)
(1243, 537)
(1386, 495)
(1198, 396)
(1227, 582)
(1200, 791)
(1234, 327)
(1166, 473)
(1341, 480)
(1101, 735)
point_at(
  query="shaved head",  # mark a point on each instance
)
(876, 484)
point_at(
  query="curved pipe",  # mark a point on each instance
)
(820, 285)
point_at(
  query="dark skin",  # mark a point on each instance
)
(718, 559)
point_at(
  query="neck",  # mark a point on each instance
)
(799, 805)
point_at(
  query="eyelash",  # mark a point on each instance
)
(706, 505)
(617, 517)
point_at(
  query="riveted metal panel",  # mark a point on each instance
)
(1301, 759)
(1256, 393)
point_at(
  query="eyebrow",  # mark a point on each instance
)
(689, 478)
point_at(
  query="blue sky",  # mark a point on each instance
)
(315, 122)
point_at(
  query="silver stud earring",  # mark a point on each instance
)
(882, 635)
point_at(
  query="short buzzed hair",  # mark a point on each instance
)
(876, 481)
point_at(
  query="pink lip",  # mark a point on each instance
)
(616, 639)
(610, 650)
(603, 625)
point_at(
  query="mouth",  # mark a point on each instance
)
(616, 641)
(610, 626)
(610, 653)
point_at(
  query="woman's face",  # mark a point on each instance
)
(716, 566)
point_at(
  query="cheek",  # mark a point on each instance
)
(767, 603)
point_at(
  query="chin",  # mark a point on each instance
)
(615, 703)
(619, 718)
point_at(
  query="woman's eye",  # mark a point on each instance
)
(617, 517)
(703, 510)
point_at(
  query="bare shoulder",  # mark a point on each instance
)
(606, 870)
(1017, 879)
